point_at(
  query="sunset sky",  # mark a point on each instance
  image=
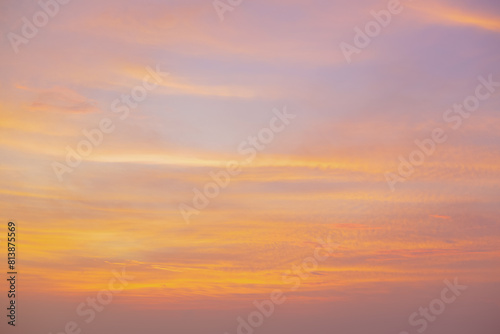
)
(323, 176)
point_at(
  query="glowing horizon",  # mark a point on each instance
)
(118, 115)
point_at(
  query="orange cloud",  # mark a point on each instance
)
(440, 217)
(62, 99)
(451, 14)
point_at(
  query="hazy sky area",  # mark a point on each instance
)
(116, 115)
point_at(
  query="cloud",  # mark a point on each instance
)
(452, 14)
(64, 100)
(440, 217)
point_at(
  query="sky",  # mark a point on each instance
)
(116, 115)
